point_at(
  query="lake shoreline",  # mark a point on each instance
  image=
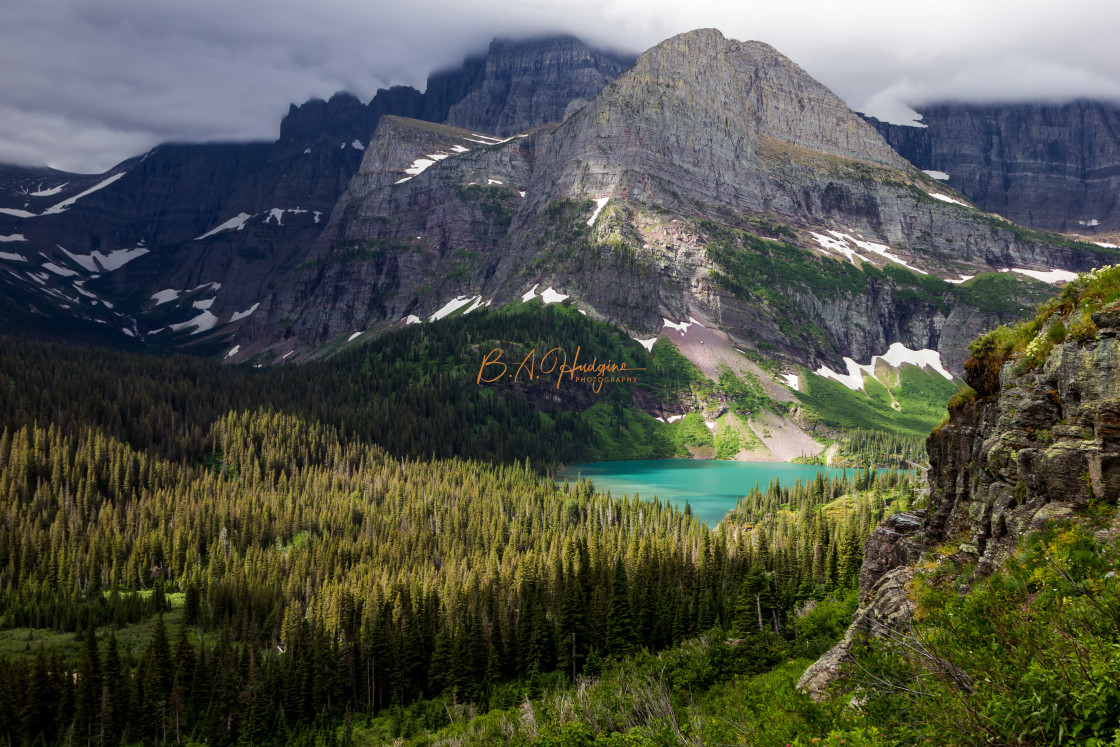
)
(710, 487)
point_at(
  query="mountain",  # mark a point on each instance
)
(1049, 166)
(187, 238)
(711, 194)
(712, 180)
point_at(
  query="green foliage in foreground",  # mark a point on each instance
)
(1029, 656)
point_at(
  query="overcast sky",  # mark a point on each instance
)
(87, 83)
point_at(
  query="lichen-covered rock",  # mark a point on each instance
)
(1045, 445)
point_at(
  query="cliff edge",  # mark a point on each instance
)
(1033, 437)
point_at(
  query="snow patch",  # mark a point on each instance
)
(48, 192)
(840, 247)
(202, 323)
(881, 249)
(598, 209)
(62, 271)
(14, 237)
(551, 296)
(412, 319)
(19, 213)
(307, 151)
(451, 307)
(1105, 245)
(239, 315)
(476, 304)
(1052, 276)
(793, 381)
(78, 287)
(98, 262)
(203, 305)
(711, 426)
(939, 175)
(235, 223)
(278, 214)
(13, 257)
(675, 418)
(316, 215)
(492, 181)
(521, 193)
(459, 149)
(418, 166)
(233, 351)
(1090, 223)
(164, 296)
(60, 207)
(946, 198)
(681, 327)
(354, 336)
(897, 355)
(530, 294)
(963, 279)
(357, 145)
(582, 311)
(647, 344)
(128, 331)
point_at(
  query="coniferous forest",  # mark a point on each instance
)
(198, 554)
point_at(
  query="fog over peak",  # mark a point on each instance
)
(86, 85)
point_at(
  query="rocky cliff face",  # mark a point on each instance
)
(162, 212)
(522, 84)
(655, 200)
(1047, 166)
(1039, 440)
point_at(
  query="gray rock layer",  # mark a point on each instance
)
(1047, 166)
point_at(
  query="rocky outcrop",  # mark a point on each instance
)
(1043, 445)
(523, 84)
(1047, 166)
(885, 606)
(417, 227)
(1038, 442)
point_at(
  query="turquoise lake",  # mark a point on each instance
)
(711, 488)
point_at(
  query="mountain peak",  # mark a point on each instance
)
(524, 83)
(772, 94)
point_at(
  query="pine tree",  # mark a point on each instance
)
(620, 617)
(88, 701)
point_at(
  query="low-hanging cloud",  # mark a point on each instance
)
(87, 84)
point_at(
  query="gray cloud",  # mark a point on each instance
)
(87, 84)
